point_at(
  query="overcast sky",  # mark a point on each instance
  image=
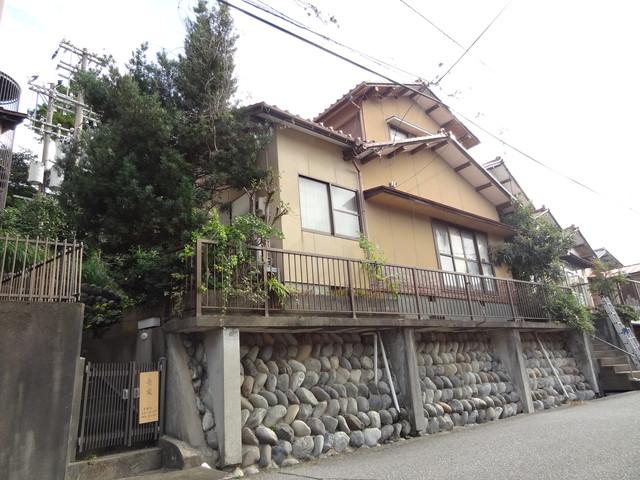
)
(559, 80)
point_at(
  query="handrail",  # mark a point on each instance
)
(612, 345)
(391, 265)
(330, 284)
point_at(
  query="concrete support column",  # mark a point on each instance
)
(581, 348)
(508, 346)
(182, 420)
(222, 347)
(400, 345)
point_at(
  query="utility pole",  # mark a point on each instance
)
(46, 137)
(77, 60)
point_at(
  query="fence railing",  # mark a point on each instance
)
(39, 270)
(111, 413)
(272, 281)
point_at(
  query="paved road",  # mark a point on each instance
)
(596, 440)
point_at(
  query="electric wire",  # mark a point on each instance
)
(430, 97)
(437, 82)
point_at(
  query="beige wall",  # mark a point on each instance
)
(425, 174)
(404, 237)
(375, 111)
(301, 154)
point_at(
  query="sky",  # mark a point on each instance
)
(558, 80)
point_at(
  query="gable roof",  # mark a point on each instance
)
(454, 154)
(498, 168)
(606, 256)
(284, 117)
(432, 107)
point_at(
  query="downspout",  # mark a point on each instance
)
(356, 165)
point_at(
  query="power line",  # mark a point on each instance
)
(421, 15)
(419, 92)
(473, 43)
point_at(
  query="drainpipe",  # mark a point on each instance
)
(365, 229)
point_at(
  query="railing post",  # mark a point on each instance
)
(352, 298)
(513, 306)
(417, 292)
(468, 292)
(198, 277)
(264, 279)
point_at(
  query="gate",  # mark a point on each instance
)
(117, 411)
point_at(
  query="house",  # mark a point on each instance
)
(607, 258)
(384, 262)
(394, 167)
(578, 260)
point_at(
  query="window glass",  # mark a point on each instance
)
(483, 248)
(472, 267)
(397, 134)
(344, 199)
(456, 242)
(346, 224)
(469, 245)
(314, 205)
(446, 263)
(461, 265)
(442, 239)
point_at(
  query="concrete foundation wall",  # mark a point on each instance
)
(39, 347)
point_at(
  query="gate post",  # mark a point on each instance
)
(222, 347)
(76, 405)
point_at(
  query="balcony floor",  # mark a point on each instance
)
(251, 321)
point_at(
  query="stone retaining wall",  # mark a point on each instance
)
(304, 395)
(194, 346)
(546, 391)
(462, 381)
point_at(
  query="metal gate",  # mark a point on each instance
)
(110, 415)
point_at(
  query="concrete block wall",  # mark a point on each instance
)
(546, 390)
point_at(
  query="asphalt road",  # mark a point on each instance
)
(595, 440)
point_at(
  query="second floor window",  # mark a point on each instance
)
(395, 134)
(326, 208)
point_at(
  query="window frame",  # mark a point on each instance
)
(474, 233)
(392, 136)
(332, 224)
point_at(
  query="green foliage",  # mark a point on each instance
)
(627, 314)
(375, 265)
(41, 217)
(603, 284)
(563, 305)
(169, 140)
(535, 250)
(18, 185)
(236, 270)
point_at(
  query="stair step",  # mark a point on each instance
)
(116, 466)
(613, 360)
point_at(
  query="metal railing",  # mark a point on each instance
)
(272, 281)
(39, 270)
(110, 414)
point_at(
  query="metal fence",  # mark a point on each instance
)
(9, 100)
(39, 270)
(272, 280)
(110, 415)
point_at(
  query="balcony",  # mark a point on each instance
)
(272, 282)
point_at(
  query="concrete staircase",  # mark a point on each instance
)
(616, 373)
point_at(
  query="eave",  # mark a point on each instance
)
(391, 197)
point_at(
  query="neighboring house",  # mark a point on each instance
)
(607, 258)
(578, 261)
